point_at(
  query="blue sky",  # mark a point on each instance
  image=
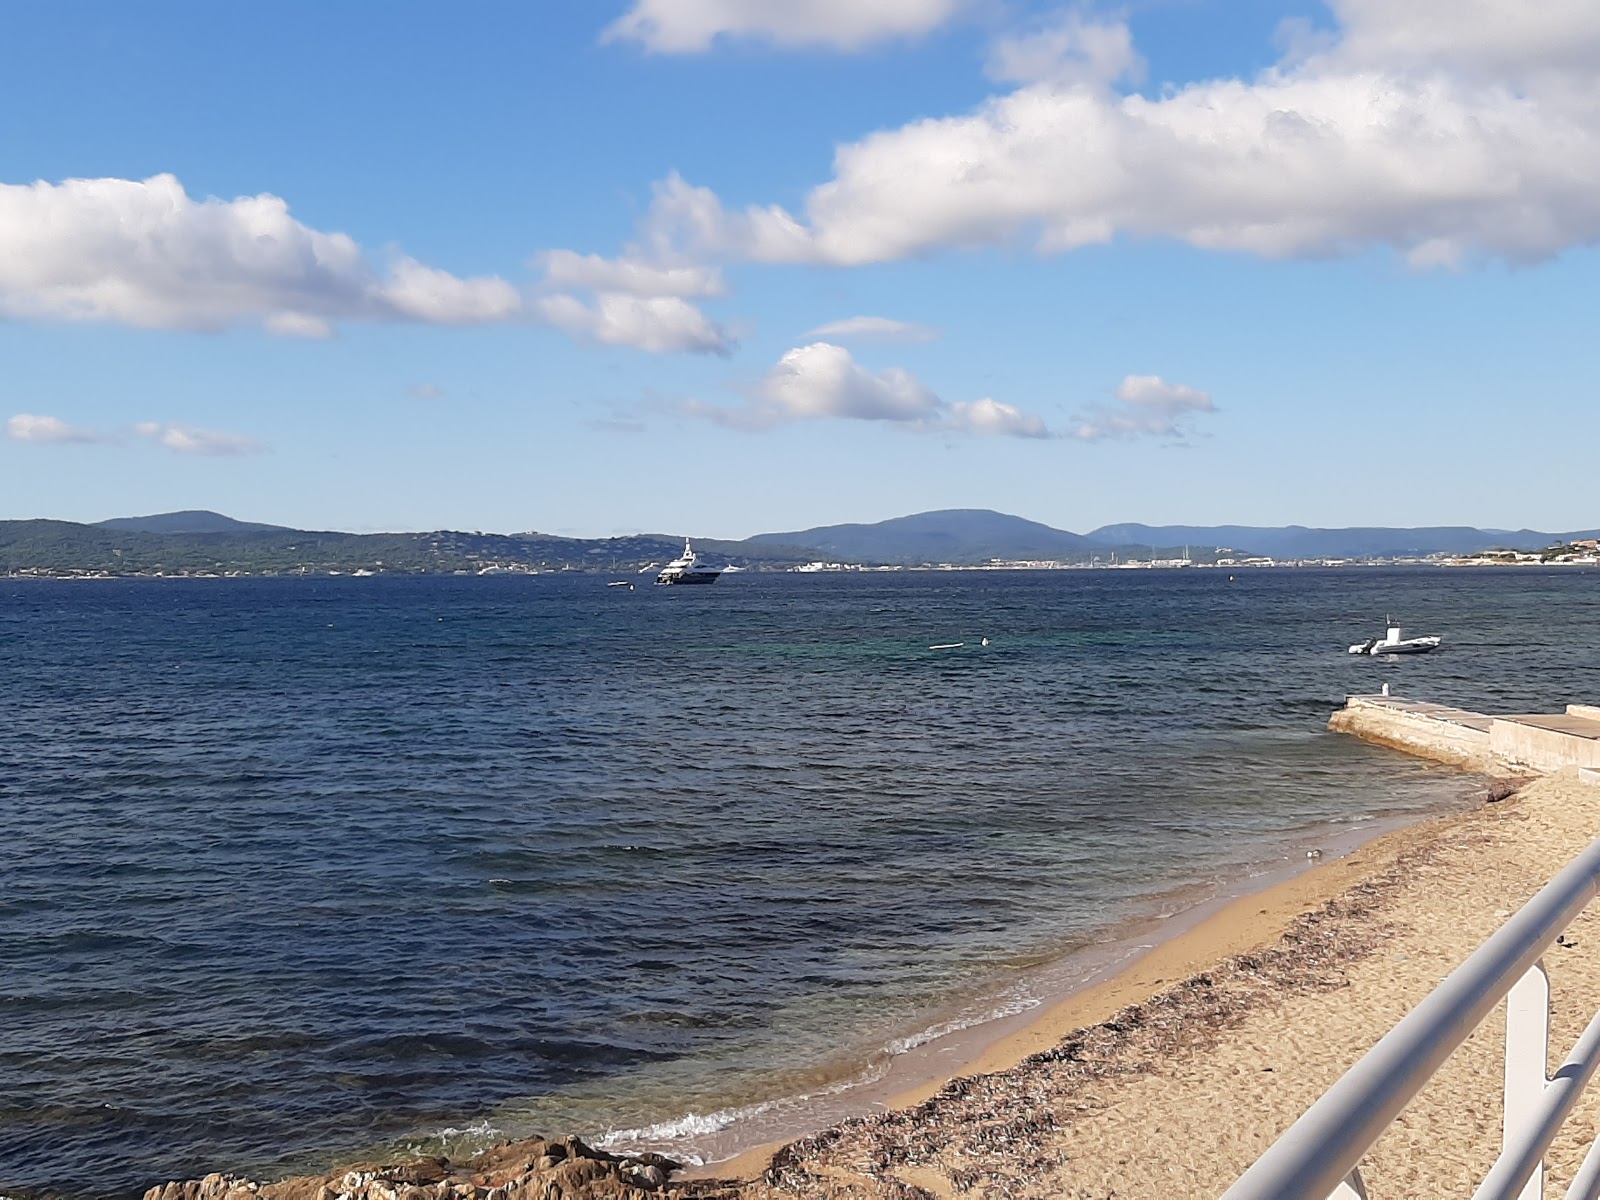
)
(730, 266)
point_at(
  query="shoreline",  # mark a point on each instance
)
(1094, 1094)
(1163, 1084)
(1142, 958)
(1197, 940)
(1251, 1013)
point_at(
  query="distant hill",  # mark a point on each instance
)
(955, 535)
(55, 547)
(194, 520)
(1297, 541)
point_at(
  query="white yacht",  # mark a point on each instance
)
(688, 569)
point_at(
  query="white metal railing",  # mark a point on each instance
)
(1317, 1156)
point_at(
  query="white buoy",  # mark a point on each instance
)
(1386, 689)
(985, 641)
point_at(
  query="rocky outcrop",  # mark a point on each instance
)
(534, 1169)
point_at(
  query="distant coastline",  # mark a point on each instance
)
(202, 544)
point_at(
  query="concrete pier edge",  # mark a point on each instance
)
(1516, 743)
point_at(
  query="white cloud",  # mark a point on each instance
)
(436, 297)
(991, 416)
(823, 381)
(656, 323)
(1438, 129)
(1502, 38)
(565, 269)
(182, 439)
(300, 325)
(880, 329)
(28, 427)
(689, 26)
(1147, 406)
(690, 221)
(1072, 49)
(145, 253)
(185, 439)
(426, 391)
(637, 299)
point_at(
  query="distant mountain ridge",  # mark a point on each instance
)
(191, 520)
(954, 535)
(200, 541)
(976, 535)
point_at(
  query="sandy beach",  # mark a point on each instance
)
(1171, 1077)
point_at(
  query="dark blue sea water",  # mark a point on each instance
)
(294, 869)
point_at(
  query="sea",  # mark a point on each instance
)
(300, 870)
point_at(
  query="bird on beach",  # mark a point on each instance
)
(1313, 854)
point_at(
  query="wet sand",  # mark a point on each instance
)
(1171, 1077)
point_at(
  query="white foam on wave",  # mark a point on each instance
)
(691, 1125)
(1018, 1003)
(696, 1125)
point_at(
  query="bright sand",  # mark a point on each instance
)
(1173, 1076)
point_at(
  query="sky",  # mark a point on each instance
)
(723, 267)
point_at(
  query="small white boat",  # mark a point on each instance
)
(620, 583)
(688, 569)
(1393, 643)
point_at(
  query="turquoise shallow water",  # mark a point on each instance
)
(298, 868)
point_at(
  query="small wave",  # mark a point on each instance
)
(689, 1126)
(454, 1141)
(1010, 1008)
(694, 1125)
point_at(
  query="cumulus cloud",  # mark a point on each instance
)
(145, 253)
(29, 427)
(186, 439)
(631, 275)
(1438, 129)
(691, 26)
(822, 381)
(991, 416)
(640, 299)
(1070, 49)
(876, 329)
(1147, 406)
(1498, 38)
(657, 323)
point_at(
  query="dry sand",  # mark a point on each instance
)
(1171, 1078)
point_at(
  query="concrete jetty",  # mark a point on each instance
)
(1514, 743)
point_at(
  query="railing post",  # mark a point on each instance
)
(1527, 1063)
(1350, 1188)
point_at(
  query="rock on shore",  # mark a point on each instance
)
(533, 1169)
